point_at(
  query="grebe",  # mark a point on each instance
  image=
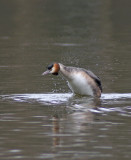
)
(80, 81)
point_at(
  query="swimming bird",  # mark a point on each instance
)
(80, 80)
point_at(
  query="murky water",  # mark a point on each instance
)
(39, 116)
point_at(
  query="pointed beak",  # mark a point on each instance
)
(45, 73)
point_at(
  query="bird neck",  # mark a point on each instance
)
(65, 72)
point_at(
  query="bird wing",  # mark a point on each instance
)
(96, 79)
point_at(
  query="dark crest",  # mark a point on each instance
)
(50, 66)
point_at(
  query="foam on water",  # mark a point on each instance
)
(58, 98)
(49, 98)
(116, 96)
(114, 102)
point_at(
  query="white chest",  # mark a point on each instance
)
(80, 85)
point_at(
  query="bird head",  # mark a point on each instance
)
(52, 69)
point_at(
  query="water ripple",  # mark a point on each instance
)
(114, 96)
(120, 102)
(58, 98)
(41, 98)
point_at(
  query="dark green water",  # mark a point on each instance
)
(39, 116)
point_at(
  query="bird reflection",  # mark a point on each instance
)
(56, 131)
(75, 122)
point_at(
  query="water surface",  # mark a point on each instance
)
(39, 116)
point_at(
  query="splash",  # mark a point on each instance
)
(59, 98)
(114, 96)
(49, 98)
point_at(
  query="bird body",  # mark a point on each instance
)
(80, 81)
